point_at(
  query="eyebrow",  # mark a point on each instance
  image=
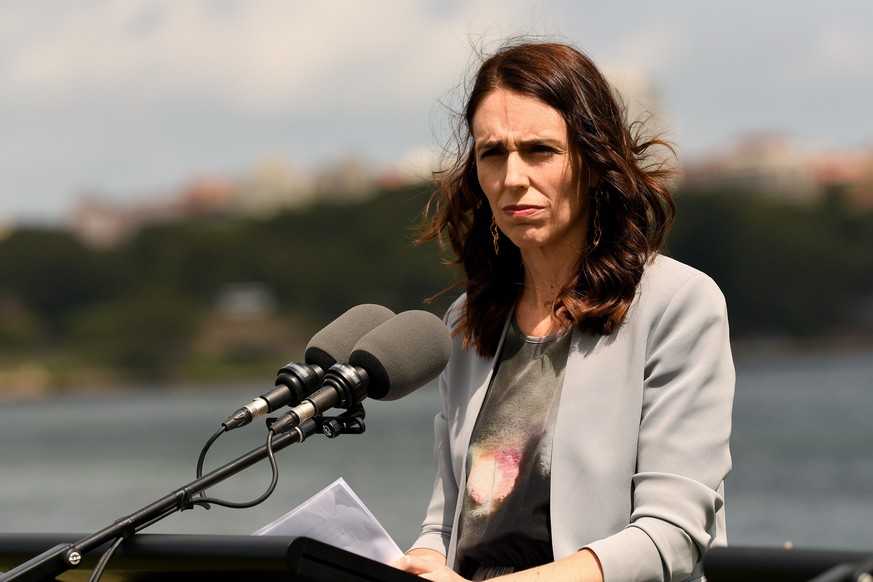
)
(523, 144)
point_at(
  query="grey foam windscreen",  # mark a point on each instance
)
(403, 354)
(334, 343)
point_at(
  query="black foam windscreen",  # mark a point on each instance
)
(403, 354)
(334, 343)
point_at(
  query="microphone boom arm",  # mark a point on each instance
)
(57, 560)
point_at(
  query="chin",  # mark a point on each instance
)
(527, 238)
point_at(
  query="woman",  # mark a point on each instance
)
(587, 401)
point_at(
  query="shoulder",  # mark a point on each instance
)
(463, 355)
(455, 312)
(665, 270)
(665, 277)
(671, 292)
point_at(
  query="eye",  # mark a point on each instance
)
(488, 152)
(543, 149)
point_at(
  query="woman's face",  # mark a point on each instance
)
(535, 184)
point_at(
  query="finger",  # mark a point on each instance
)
(415, 565)
(400, 563)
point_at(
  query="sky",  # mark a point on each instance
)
(128, 98)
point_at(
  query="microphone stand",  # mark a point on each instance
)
(64, 557)
(860, 572)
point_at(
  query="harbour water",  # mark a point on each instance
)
(802, 449)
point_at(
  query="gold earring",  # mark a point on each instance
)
(598, 231)
(495, 234)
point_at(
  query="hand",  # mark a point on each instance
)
(583, 566)
(427, 564)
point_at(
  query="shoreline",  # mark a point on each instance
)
(32, 380)
(750, 350)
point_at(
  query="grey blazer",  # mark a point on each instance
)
(640, 448)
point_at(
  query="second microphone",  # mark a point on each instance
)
(398, 357)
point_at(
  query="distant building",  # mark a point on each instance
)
(207, 196)
(271, 187)
(849, 173)
(779, 168)
(346, 179)
(245, 300)
(771, 166)
(6, 228)
(103, 224)
(99, 224)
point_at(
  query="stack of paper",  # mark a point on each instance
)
(336, 516)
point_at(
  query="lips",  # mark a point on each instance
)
(520, 210)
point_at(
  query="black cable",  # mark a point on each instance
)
(202, 457)
(104, 560)
(204, 501)
(275, 470)
(158, 518)
(208, 444)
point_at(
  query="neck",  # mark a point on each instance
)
(544, 277)
(546, 273)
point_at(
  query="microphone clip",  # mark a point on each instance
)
(351, 421)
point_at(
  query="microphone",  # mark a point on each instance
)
(395, 359)
(296, 381)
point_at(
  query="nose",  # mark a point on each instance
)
(516, 172)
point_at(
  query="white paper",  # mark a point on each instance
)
(338, 517)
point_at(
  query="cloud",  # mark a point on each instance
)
(269, 55)
(256, 54)
(661, 46)
(121, 94)
(839, 52)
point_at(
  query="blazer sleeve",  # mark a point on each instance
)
(436, 530)
(683, 452)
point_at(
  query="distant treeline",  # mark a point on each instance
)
(788, 270)
(147, 309)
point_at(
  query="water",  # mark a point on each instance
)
(77, 463)
(803, 452)
(802, 449)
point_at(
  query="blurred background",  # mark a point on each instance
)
(189, 190)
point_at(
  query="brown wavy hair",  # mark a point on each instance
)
(631, 203)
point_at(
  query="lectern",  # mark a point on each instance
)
(750, 564)
(176, 557)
